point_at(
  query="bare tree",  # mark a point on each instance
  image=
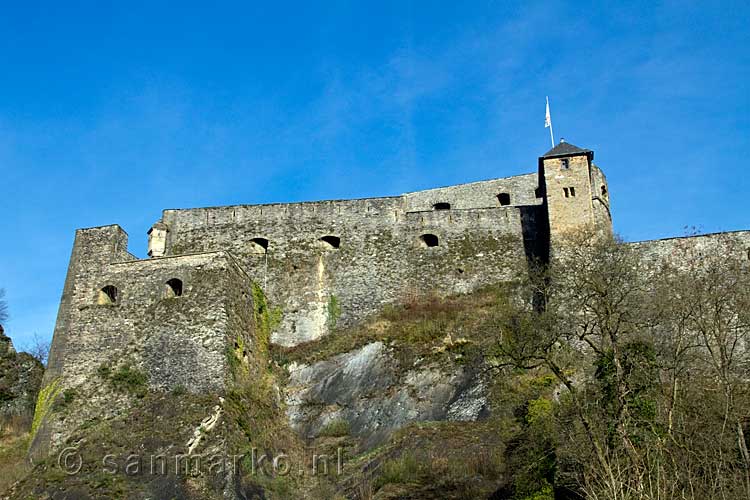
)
(653, 356)
(38, 347)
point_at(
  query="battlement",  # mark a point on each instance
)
(521, 190)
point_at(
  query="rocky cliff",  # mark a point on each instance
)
(20, 377)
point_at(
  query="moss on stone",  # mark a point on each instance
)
(334, 311)
(44, 403)
(266, 318)
(125, 378)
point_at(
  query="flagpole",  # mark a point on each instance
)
(551, 135)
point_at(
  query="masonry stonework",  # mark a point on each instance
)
(144, 334)
(173, 317)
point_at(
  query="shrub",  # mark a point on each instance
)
(125, 378)
(403, 470)
(335, 428)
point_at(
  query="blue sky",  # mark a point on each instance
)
(111, 114)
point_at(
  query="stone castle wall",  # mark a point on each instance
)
(324, 264)
(381, 256)
(521, 189)
(600, 200)
(675, 250)
(172, 341)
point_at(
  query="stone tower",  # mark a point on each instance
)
(575, 192)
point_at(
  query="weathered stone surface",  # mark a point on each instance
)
(145, 338)
(676, 250)
(483, 229)
(365, 388)
(379, 258)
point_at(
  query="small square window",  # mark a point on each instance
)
(572, 191)
(564, 164)
(567, 193)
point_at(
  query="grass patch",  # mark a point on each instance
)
(426, 326)
(336, 428)
(403, 470)
(441, 455)
(13, 462)
(437, 459)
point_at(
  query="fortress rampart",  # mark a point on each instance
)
(169, 319)
(174, 316)
(340, 261)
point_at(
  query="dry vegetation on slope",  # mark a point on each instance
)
(630, 383)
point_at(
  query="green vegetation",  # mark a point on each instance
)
(256, 416)
(451, 460)
(403, 470)
(67, 397)
(125, 379)
(14, 442)
(335, 428)
(44, 403)
(652, 391)
(334, 312)
(266, 319)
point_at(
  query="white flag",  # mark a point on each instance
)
(547, 118)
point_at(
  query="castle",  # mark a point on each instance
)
(325, 264)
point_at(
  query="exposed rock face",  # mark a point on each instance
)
(365, 388)
(20, 378)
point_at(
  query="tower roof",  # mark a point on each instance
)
(566, 149)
